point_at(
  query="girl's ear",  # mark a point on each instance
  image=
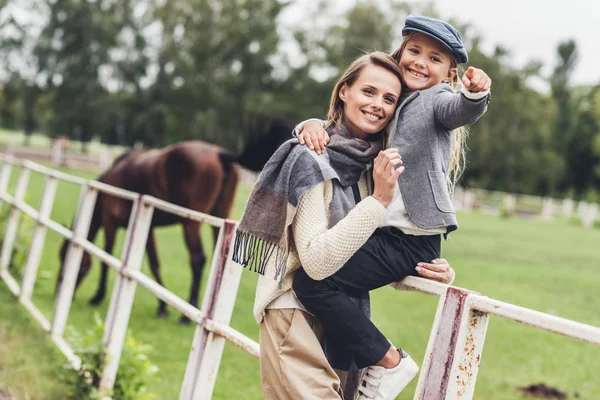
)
(343, 92)
(451, 74)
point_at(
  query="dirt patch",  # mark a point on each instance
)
(541, 391)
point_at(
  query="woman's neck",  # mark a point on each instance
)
(353, 131)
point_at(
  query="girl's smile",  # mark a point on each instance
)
(425, 62)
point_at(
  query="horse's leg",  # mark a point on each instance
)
(109, 241)
(191, 231)
(155, 268)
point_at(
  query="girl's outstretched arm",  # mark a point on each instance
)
(455, 110)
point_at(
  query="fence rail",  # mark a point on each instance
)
(451, 361)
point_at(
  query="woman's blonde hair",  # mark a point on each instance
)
(458, 157)
(335, 115)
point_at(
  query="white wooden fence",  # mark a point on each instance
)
(453, 354)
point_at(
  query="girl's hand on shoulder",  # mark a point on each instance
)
(475, 80)
(438, 270)
(314, 136)
(385, 175)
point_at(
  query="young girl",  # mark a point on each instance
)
(427, 135)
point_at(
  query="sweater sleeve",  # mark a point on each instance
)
(324, 251)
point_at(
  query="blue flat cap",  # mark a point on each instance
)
(440, 30)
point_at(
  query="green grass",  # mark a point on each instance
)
(550, 267)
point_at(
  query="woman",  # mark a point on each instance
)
(315, 212)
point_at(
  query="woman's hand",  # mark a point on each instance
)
(385, 175)
(314, 136)
(438, 270)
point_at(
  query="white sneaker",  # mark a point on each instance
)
(381, 383)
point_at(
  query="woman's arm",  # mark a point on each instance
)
(438, 270)
(324, 251)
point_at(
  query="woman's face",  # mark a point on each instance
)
(371, 101)
(425, 62)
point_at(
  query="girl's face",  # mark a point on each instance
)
(425, 62)
(370, 102)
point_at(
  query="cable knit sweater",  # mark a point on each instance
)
(319, 250)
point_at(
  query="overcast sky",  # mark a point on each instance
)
(530, 29)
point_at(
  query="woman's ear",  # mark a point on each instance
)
(343, 92)
(451, 74)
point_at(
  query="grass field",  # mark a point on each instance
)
(551, 267)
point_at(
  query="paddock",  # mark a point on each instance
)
(457, 334)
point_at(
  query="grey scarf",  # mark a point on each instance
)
(265, 229)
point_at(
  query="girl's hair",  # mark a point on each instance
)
(456, 165)
(335, 115)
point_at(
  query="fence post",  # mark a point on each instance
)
(72, 261)
(124, 290)
(4, 178)
(589, 215)
(547, 208)
(567, 207)
(509, 203)
(430, 347)
(112, 307)
(12, 225)
(458, 198)
(468, 200)
(217, 305)
(38, 238)
(452, 370)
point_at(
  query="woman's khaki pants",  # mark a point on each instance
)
(292, 363)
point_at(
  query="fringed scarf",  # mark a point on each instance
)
(265, 229)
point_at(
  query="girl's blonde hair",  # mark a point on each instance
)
(458, 157)
(335, 115)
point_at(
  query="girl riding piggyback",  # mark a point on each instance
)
(429, 136)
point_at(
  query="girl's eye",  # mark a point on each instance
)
(413, 51)
(435, 59)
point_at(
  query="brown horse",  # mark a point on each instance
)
(195, 175)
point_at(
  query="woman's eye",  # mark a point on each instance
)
(390, 100)
(368, 91)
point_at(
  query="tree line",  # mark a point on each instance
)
(159, 72)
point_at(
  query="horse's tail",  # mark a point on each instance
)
(224, 202)
(227, 160)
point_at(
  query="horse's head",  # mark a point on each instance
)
(265, 137)
(84, 268)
